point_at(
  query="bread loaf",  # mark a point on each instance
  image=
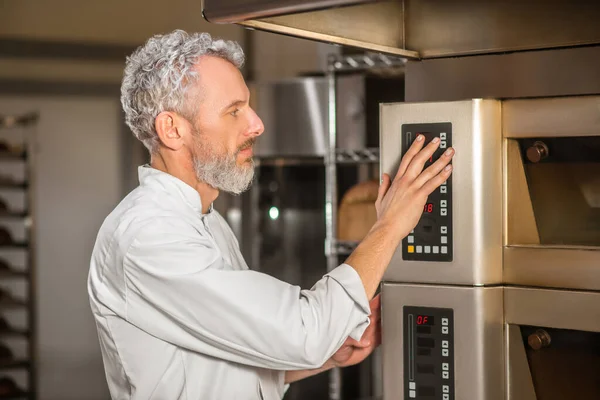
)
(357, 212)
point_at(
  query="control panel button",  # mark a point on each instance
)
(444, 344)
(445, 366)
(411, 249)
(443, 135)
(412, 394)
(436, 249)
(419, 249)
(446, 375)
(444, 249)
(444, 229)
(411, 239)
(443, 189)
(444, 203)
(445, 321)
(446, 397)
(443, 144)
(427, 249)
(444, 211)
(444, 239)
(445, 352)
(444, 330)
(446, 388)
(412, 385)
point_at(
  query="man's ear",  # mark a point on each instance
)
(170, 128)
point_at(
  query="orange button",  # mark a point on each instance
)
(411, 249)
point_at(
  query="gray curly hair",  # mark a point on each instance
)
(159, 73)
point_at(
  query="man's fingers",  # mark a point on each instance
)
(437, 180)
(413, 150)
(375, 302)
(386, 182)
(365, 341)
(418, 163)
(377, 337)
(435, 168)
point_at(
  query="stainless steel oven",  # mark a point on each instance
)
(496, 293)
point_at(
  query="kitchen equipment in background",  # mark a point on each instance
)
(506, 259)
(17, 257)
(294, 113)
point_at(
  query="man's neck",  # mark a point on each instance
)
(208, 194)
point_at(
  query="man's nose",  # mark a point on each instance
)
(256, 127)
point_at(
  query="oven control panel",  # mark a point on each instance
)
(428, 353)
(431, 240)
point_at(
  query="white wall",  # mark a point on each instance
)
(78, 182)
(128, 22)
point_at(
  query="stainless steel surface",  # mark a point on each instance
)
(519, 384)
(294, 112)
(549, 308)
(478, 336)
(576, 268)
(552, 117)
(348, 26)
(537, 152)
(539, 339)
(331, 202)
(350, 114)
(331, 194)
(366, 155)
(492, 26)
(519, 219)
(477, 189)
(558, 72)
(227, 11)
(368, 61)
(419, 28)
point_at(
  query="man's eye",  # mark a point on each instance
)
(235, 112)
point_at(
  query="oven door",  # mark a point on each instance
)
(553, 344)
(552, 192)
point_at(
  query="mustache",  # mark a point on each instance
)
(246, 145)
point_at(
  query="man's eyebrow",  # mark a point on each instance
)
(234, 103)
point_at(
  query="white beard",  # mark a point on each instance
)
(221, 170)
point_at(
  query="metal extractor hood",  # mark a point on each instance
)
(421, 28)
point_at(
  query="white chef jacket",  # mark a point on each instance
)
(180, 316)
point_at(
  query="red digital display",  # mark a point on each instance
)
(424, 320)
(428, 208)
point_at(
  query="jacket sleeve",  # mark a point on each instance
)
(179, 289)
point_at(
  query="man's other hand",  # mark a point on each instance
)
(353, 352)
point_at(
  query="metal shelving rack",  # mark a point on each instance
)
(25, 156)
(335, 156)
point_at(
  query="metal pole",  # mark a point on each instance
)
(335, 375)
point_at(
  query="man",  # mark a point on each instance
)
(178, 312)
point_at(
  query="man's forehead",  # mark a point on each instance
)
(219, 77)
